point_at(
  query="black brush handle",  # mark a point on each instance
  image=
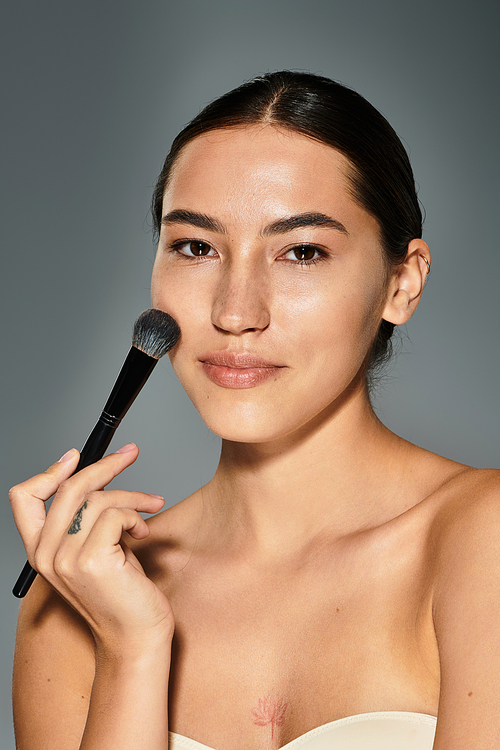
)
(135, 371)
(23, 583)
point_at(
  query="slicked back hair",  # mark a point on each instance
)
(380, 177)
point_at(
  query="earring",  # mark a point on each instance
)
(426, 263)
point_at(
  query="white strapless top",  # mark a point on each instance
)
(382, 730)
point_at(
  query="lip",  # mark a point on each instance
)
(230, 369)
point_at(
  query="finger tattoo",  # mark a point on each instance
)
(77, 520)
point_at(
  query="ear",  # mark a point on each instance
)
(407, 283)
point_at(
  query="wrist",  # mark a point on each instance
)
(144, 649)
(130, 692)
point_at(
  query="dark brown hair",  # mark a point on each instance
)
(381, 176)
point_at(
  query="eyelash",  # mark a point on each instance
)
(177, 246)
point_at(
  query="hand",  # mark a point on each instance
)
(78, 547)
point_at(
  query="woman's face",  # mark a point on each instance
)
(275, 276)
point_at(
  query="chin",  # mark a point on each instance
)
(254, 435)
(269, 412)
(245, 425)
(255, 422)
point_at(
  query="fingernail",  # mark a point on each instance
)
(158, 497)
(66, 456)
(127, 448)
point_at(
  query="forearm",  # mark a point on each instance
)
(128, 706)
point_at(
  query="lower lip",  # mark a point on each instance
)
(236, 377)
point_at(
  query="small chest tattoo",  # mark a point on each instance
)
(269, 712)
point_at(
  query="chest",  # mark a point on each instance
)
(281, 652)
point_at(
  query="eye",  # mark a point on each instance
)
(304, 254)
(194, 249)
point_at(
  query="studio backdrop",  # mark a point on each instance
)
(92, 95)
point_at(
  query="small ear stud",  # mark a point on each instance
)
(426, 263)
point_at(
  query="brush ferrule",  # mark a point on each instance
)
(108, 419)
(135, 371)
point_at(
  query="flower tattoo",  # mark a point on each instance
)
(269, 712)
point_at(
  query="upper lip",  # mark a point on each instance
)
(237, 360)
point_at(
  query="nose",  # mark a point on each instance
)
(242, 298)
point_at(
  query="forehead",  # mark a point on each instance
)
(257, 165)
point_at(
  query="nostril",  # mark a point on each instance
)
(241, 310)
(237, 324)
(228, 328)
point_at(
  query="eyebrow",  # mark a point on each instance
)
(281, 226)
(303, 220)
(195, 219)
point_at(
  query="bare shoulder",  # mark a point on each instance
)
(468, 512)
(465, 549)
(465, 539)
(54, 669)
(465, 524)
(172, 538)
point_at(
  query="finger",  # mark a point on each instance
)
(97, 502)
(102, 550)
(65, 544)
(130, 556)
(28, 498)
(73, 491)
(57, 554)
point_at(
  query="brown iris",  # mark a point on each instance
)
(199, 248)
(304, 252)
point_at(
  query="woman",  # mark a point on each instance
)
(333, 586)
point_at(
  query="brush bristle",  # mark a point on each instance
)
(155, 333)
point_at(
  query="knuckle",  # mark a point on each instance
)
(42, 562)
(18, 494)
(62, 564)
(111, 513)
(94, 497)
(89, 564)
(65, 486)
(14, 493)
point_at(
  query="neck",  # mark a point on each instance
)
(333, 476)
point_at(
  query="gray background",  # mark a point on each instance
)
(92, 94)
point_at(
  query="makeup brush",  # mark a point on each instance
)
(155, 333)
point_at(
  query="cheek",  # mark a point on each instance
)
(346, 317)
(175, 294)
(336, 345)
(155, 287)
(159, 287)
